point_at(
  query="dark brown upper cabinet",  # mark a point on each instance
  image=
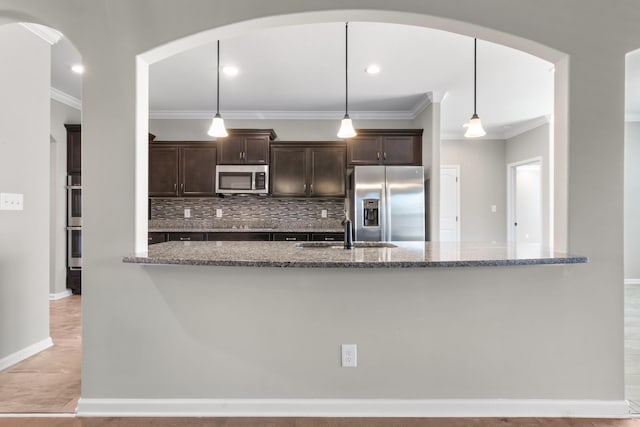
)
(245, 147)
(312, 169)
(385, 147)
(74, 149)
(182, 169)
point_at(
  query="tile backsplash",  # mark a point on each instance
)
(247, 212)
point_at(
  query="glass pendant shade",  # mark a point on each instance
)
(217, 128)
(346, 128)
(474, 128)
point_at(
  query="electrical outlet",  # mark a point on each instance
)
(218, 213)
(323, 213)
(349, 355)
(494, 208)
(11, 202)
(187, 213)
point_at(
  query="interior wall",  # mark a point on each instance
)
(24, 168)
(482, 184)
(286, 129)
(632, 202)
(61, 114)
(569, 353)
(429, 121)
(528, 145)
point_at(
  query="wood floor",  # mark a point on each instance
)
(48, 382)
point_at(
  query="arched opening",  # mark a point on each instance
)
(40, 332)
(555, 140)
(632, 230)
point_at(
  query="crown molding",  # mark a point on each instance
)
(525, 127)
(47, 34)
(66, 99)
(632, 118)
(282, 115)
(437, 96)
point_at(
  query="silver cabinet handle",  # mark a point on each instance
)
(305, 187)
(329, 239)
(185, 239)
(378, 155)
(290, 238)
(182, 187)
(311, 188)
(240, 154)
(175, 187)
(384, 155)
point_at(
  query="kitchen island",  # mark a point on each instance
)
(364, 255)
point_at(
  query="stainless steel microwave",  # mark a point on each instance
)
(242, 179)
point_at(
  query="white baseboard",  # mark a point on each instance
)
(352, 408)
(27, 352)
(632, 281)
(60, 295)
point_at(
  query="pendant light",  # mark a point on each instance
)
(474, 128)
(217, 128)
(346, 127)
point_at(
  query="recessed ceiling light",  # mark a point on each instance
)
(77, 68)
(372, 69)
(230, 70)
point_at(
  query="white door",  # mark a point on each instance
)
(527, 203)
(449, 203)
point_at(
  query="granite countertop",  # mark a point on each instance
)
(332, 255)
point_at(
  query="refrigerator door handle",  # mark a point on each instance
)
(387, 213)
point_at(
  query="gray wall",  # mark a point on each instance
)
(632, 201)
(287, 130)
(527, 145)
(482, 184)
(508, 333)
(61, 114)
(24, 168)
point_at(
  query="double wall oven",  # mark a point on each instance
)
(74, 232)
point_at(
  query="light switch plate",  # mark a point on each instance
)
(349, 355)
(11, 202)
(494, 208)
(323, 213)
(218, 213)
(187, 213)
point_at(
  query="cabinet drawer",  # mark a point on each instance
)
(186, 237)
(238, 237)
(290, 237)
(155, 237)
(327, 237)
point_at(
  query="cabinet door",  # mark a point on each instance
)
(364, 150)
(256, 150)
(163, 171)
(327, 172)
(197, 171)
(288, 171)
(156, 237)
(74, 149)
(230, 150)
(401, 150)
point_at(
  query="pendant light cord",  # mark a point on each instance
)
(346, 67)
(218, 83)
(475, 50)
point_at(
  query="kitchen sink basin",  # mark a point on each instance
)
(341, 245)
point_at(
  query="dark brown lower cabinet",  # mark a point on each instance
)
(74, 281)
(155, 237)
(239, 236)
(186, 237)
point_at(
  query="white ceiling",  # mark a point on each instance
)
(298, 71)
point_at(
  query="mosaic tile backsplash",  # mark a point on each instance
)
(247, 212)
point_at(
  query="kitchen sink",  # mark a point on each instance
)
(341, 245)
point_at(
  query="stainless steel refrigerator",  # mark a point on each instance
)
(386, 203)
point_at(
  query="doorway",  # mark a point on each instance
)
(450, 203)
(524, 201)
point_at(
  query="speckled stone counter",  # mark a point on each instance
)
(246, 230)
(404, 255)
